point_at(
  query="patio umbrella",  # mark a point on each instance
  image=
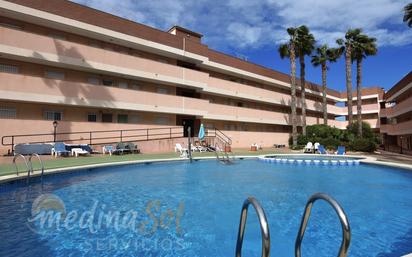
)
(201, 132)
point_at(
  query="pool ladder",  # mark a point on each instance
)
(29, 165)
(264, 227)
(224, 158)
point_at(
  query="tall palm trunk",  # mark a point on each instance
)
(324, 103)
(293, 93)
(359, 94)
(302, 92)
(348, 55)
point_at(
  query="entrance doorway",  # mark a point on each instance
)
(186, 122)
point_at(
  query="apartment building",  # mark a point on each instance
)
(396, 117)
(92, 71)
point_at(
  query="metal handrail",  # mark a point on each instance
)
(227, 139)
(25, 161)
(264, 227)
(143, 135)
(346, 234)
(31, 166)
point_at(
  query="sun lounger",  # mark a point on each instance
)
(59, 149)
(322, 150)
(79, 151)
(316, 147)
(108, 149)
(121, 149)
(341, 150)
(132, 147)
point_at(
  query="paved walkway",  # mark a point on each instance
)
(392, 157)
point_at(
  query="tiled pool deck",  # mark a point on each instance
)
(65, 164)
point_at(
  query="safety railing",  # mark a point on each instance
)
(96, 137)
(264, 227)
(31, 166)
(221, 139)
(15, 164)
(346, 234)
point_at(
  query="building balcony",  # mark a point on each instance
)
(26, 46)
(242, 114)
(403, 128)
(23, 45)
(366, 109)
(15, 87)
(234, 89)
(399, 109)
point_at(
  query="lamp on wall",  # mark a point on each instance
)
(55, 123)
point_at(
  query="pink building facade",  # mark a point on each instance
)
(396, 117)
(91, 71)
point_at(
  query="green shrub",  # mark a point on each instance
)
(363, 145)
(330, 143)
(367, 131)
(302, 141)
(332, 137)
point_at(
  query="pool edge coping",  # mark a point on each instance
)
(13, 177)
(364, 159)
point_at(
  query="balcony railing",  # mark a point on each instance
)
(97, 137)
(88, 56)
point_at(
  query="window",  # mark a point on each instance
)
(107, 117)
(162, 90)
(53, 115)
(92, 117)
(108, 82)
(123, 85)
(54, 74)
(162, 120)
(93, 80)
(135, 119)
(7, 113)
(122, 118)
(9, 68)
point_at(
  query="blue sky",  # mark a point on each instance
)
(254, 29)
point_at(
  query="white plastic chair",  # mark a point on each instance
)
(308, 147)
(184, 152)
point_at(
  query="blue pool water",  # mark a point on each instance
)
(182, 209)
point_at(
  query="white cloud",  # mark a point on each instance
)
(240, 24)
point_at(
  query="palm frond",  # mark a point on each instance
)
(408, 14)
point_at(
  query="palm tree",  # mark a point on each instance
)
(363, 46)
(408, 14)
(288, 50)
(323, 55)
(346, 46)
(305, 45)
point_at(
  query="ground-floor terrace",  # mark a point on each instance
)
(398, 143)
(153, 132)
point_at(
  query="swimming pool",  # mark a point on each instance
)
(185, 209)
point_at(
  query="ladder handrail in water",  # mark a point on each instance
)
(264, 227)
(346, 234)
(25, 162)
(31, 165)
